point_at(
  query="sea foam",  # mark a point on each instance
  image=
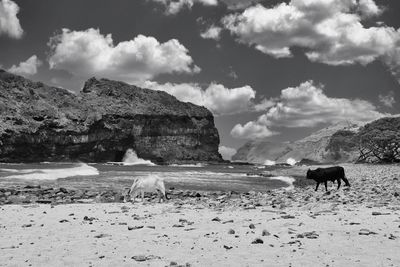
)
(131, 158)
(51, 174)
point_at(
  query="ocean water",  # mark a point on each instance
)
(121, 175)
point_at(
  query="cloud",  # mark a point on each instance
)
(387, 100)
(216, 97)
(213, 32)
(88, 53)
(239, 4)
(331, 31)
(173, 7)
(306, 106)
(226, 152)
(9, 23)
(26, 68)
(251, 130)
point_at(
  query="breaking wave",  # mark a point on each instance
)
(51, 174)
(131, 158)
(197, 165)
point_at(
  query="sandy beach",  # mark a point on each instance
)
(356, 226)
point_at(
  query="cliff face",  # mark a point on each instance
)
(331, 144)
(43, 123)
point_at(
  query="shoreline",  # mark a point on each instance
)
(356, 226)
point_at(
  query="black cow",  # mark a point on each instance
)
(323, 175)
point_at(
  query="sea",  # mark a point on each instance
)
(120, 175)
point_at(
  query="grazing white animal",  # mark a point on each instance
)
(150, 183)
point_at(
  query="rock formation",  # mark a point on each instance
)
(331, 144)
(43, 123)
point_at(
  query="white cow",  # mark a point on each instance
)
(150, 183)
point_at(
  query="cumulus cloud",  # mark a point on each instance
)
(26, 68)
(9, 23)
(226, 152)
(331, 31)
(216, 97)
(251, 130)
(239, 4)
(213, 32)
(88, 53)
(172, 7)
(387, 100)
(306, 106)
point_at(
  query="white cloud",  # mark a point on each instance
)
(88, 53)
(226, 152)
(172, 7)
(306, 106)
(9, 23)
(213, 32)
(331, 31)
(251, 130)
(216, 97)
(26, 68)
(387, 100)
(239, 4)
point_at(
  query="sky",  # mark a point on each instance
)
(275, 70)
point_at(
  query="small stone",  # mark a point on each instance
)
(258, 241)
(139, 258)
(288, 217)
(227, 247)
(231, 232)
(63, 221)
(216, 219)
(135, 227)
(252, 226)
(265, 233)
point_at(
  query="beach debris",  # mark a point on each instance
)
(258, 241)
(252, 226)
(227, 247)
(63, 221)
(392, 237)
(231, 232)
(229, 221)
(26, 225)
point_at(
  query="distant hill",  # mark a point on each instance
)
(330, 144)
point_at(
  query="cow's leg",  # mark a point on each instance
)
(346, 181)
(317, 186)
(142, 191)
(338, 183)
(159, 195)
(326, 185)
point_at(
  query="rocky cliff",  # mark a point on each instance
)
(331, 144)
(43, 123)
